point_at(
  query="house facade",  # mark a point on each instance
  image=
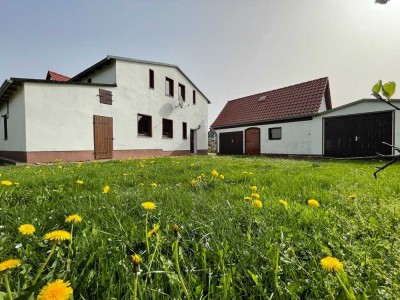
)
(118, 108)
(299, 121)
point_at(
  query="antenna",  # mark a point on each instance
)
(181, 103)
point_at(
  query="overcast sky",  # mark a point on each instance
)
(228, 48)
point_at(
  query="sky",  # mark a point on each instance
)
(228, 48)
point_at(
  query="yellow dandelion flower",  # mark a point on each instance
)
(60, 167)
(136, 259)
(106, 189)
(56, 290)
(125, 174)
(141, 165)
(214, 173)
(199, 177)
(193, 182)
(58, 236)
(9, 264)
(313, 203)
(79, 181)
(192, 165)
(73, 219)
(148, 205)
(6, 182)
(352, 196)
(153, 231)
(175, 228)
(27, 167)
(255, 195)
(284, 203)
(16, 183)
(203, 175)
(154, 184)
(222, 177)
(27, 229)
(251, 173)
(247, 198)
(331, 264)
(253, 188)
(245, 172)
(257, 203)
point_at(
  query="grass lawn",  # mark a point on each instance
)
(212, 242)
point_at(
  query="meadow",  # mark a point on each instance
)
(200, 227)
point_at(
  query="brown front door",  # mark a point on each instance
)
(253, 141)
(103, 137)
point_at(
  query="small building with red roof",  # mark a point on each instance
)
(299, 120)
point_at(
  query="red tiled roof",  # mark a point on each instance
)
(292, 102)
(56, 77)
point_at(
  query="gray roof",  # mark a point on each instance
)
(112, 57)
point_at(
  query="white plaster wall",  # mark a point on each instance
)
(106, 74)
(16, 123)
(296, 138)
(323, 105)
(358, 108)
(60, 117)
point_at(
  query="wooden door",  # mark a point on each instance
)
(231, 142)
(252, 138)
(358, 135)
(103, 137)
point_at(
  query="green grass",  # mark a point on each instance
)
(227, 248)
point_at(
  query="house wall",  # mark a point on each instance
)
(59, 118)
(107, 74)
(296, 138)
(15, 145)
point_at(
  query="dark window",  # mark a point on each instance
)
(275, 133)
(167, 130)
(89, 80)
(105, 96)
(169, 87)
(184, 130)
(144, 125)
(194, 97)
(181, 89)
(151, 79)
(5, 118)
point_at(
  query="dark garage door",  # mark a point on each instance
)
(358, 135)
(231, 142)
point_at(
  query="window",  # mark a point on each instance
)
(167, 130)
(89, 80)
(275, 133)
(194, 97)
(144, 125)
(169, 87)
(181, 90)
(105, 96)
(184, 130)
(151, 79)
(5, 118)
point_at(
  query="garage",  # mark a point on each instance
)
(358, 135)
(231, 142)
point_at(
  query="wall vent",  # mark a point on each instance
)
(262, 98)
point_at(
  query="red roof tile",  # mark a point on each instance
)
(56, 77)
(292, 102)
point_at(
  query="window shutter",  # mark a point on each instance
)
(105, 96)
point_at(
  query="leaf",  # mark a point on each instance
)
(254, 277)
(377, 87)
(388, 89)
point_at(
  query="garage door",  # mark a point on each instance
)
(358, 135)
(231, 142)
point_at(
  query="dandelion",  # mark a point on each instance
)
(58, 236)
(192, 165)
(284, 203)
(26, 229)
(199, 177)
(245, 172)
(73, 219)
(153, 231)
(313, 203)
(57, 290)
(136, 259)
(79, 181)
(148, 205)
(257, 203)
(352, 196)
(193, 182)
(331, 264)
(247, 198)
(154, 184)
(141, 165)
(253, 188)
(255, 195)
(106, 189)
(214, 173)
(222, 177)
(6, 182)
(60, 167)
(125, 174)
(9, 264)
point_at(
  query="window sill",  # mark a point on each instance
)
(167, 137)
(144, 136)
(169, 96)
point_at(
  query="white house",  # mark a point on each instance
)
(298, 120)
(118, 108)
